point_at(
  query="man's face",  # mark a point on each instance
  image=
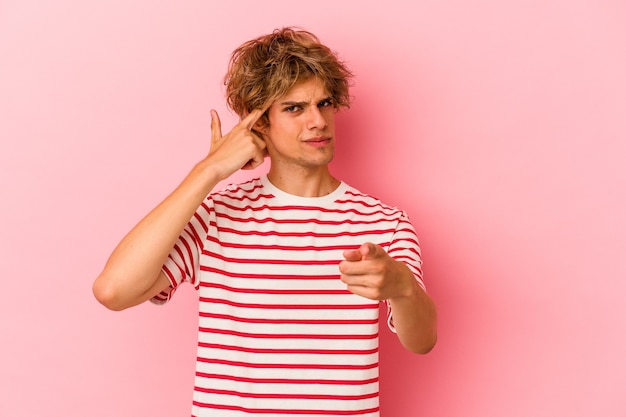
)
(301, 131)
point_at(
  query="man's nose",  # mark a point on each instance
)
(315, 118)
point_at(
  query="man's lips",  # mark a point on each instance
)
(318, 139)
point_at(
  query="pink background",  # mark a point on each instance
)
(499, 126)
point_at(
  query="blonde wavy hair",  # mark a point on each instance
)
(263, 69)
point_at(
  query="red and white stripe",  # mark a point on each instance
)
(279, 334)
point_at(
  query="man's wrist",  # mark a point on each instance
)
(208, 172)
(409, 289)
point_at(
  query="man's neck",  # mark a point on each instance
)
(304, 183)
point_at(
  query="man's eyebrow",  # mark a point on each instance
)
(303, 103)
(294, 103)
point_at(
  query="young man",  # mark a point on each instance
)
(290, 267)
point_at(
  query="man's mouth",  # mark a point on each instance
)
(318, 140)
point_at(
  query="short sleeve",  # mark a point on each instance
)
(405, 247)
(183, 262)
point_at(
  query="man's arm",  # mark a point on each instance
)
(370, 272)
(133, 274)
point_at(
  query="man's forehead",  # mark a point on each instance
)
(309, 90)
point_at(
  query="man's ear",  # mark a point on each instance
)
(261, 127)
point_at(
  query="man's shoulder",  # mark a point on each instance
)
(356, 196)
(252, 187)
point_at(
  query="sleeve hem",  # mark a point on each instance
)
(166, 295)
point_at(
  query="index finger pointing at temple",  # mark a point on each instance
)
(250, 120)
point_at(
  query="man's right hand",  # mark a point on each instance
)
(133, 273)
(238, 149)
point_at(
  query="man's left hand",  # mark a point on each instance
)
(371, 273)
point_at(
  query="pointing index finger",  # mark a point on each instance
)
(369, 250)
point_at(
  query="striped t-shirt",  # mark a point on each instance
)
(279, 334)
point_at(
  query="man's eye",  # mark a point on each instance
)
(326, 103)
(292, 109)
